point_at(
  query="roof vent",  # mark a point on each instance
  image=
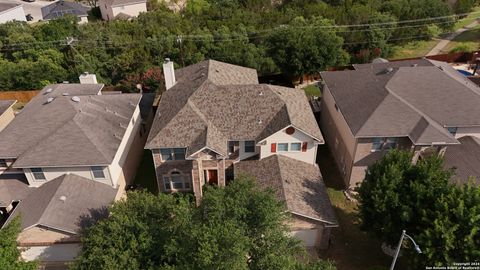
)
(75, 99)
(49, 90)
(259, 121)
(440, 67)
(63, 198)
(388, 70)
(414, 65)
(261, 93)
(50, 99)
(66, 82)
(65, 94)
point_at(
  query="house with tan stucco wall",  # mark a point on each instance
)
(421, 105)
(121, 9)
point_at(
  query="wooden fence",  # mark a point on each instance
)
(20, 96)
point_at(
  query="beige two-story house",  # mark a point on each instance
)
(214, 116)
(420, 105)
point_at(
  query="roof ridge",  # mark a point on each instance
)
(282, 180)
(269, 86)
(90, 139)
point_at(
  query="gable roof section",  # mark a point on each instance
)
(465, 158)
(68, 133)
(83, 199)
(13, 187)
(61, 8)
(297, 183)
(416, 98)
(213, 102)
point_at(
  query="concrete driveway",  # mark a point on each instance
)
(33, 8)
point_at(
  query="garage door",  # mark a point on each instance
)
(307, 236)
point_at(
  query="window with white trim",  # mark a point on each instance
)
(249, 146)
(452, 130)
(38, 174)
(172, 154)
(379, 144)
(176, 181)
(97, 172)
(282, 147)
(296, 147)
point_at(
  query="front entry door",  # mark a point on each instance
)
(212, 177)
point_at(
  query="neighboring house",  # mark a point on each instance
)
(121, 9)
(300, 186)
(61, 8)
(6, 112)
(419, 105)
(72, 128)
(54, 214)
(215, 115)
(11, 12)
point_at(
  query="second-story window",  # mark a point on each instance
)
(38, 174)
(282, 147)
(172, 154)
(379, 144)
(249, 146)
(97, 172)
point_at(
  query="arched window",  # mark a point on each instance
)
(175, 180)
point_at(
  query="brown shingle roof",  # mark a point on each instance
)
(68, 133)
(213, 102)
(297, 183)
(415, 98)
(465, 158)
(65, 203)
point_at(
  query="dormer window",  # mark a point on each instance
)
(249, 146)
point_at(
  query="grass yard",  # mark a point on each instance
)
(145, 176)
(417, 48)
(469, 40)
(312, 91)
(351, 248)
(467, 20)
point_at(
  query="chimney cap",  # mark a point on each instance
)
(167, 60)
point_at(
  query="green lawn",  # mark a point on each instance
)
(145, 176)
(312, 91)
(469, 40)
(467, 20)
(417, 48)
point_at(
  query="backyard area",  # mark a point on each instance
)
(467, 41)
(350, 248)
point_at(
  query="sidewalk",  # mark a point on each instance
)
(438, 48)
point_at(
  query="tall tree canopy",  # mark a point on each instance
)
(419, 198)
(237, 227)
(9, 253)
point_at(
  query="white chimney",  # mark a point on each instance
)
(86, 78)
(168, 73)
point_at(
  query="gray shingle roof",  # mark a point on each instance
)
(213, 102)
(297, 183)
(84, 199)
(5, 104)
(68, 133)
(61, 8)
(416, 98)
(7, 6)
(13, 187)
(465, 158)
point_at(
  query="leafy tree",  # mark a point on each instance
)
(304, 47)
(420, 198)
(237, 227)
(9, 253)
